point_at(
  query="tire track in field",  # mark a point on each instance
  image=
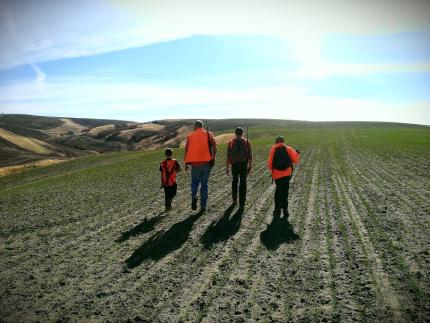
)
(201, 259)
(344, 306)
(420, 224)
(301, 278)
(251, 290)
(94, 228)
(408, 229)
(389, 296)
(59, 266)
(64, 243)
(201, 292)
(407, 166)
(363, 287)
(412, 290)
(398, 174)
(240, 285)
(88, 248)
(221, 193)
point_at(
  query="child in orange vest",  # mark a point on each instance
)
(168, 168)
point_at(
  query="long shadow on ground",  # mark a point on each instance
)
(147, 225)
(163, 242)
(279, 231)
(222, 229)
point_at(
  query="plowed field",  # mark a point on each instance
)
(87, 240)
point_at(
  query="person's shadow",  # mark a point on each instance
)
(279, 231)
(147, 225)
(163, 242)
(222, 229)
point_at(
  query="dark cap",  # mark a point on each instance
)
(238, 131)
(168, 152)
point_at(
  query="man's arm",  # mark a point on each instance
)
(178, 167)
(270, 159)
(294, 155)
(187, 167)
(213, 144)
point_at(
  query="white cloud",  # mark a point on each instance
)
(76, 30)
(142, 102)
(320, 69)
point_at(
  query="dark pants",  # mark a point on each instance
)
(169, 194)
(239, 171)
(281, 193)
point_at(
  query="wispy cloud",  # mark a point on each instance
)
(322, 69)
(40, 75)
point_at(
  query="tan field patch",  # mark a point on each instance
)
(68, 126)
(30, 144)
(151, 126)
(97, 131)
(4, 171)
(224, 138)
(146, 127)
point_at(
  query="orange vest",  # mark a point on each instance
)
(294, 156)
(198, 147)
(168, 172)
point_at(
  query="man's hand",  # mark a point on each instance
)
(297, 150)
(249, 170)
(187, 168)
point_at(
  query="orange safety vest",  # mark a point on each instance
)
(168, 172)
(198, 147)
(294, 156)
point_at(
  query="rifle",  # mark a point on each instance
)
(247, 151)
(247, 139)
(212, 161)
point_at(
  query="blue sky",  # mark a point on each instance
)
(146, 60)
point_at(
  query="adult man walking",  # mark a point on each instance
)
(200, 152)
(280, 163)
(239, 159)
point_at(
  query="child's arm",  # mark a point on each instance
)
(178, 167)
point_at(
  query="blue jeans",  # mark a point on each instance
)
(200, 176)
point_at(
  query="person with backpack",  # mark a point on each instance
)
(280, 163)
(168, 168)
(239, 159)
(200, 152)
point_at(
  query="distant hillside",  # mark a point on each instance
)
(26, 138)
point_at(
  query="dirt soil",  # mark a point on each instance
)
(355, 246)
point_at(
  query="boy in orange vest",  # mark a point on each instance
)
(168, 168)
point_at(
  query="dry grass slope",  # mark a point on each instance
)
(30, 144)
